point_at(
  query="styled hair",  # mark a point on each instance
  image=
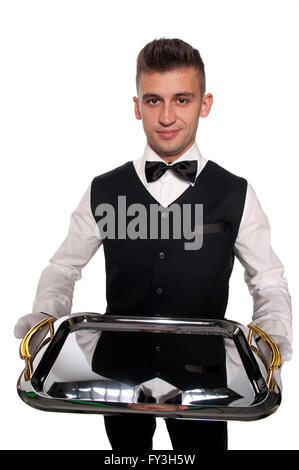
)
(169, 54)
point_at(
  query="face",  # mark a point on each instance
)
(170, 105)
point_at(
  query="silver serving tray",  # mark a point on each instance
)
(62, 376)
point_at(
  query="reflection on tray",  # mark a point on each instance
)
(113, 392)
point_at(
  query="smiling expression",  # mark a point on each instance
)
(170, 104)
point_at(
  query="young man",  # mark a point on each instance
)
(159, 276)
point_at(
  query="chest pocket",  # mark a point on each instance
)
(222, 226)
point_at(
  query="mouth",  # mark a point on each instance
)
(168, 134)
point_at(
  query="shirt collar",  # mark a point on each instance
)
(192, 153)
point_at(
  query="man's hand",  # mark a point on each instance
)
(28, 321)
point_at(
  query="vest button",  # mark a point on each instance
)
(159, 290)
(161, 255)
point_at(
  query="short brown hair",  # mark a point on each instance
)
(169, 54)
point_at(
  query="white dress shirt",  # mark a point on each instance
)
(263, 270)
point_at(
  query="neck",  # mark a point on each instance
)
(171, 158)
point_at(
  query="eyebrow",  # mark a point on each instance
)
(181, 93)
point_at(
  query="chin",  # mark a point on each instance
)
(168, 148)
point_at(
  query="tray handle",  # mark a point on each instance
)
(24, 346)
(276, 360)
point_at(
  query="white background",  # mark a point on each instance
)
(67, 82)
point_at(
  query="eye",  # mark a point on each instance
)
(182, 100)
(153, 100)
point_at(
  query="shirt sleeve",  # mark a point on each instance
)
(56, 285)
(264, 275)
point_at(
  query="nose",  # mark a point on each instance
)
(167, 114)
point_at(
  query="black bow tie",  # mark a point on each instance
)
(186, 170)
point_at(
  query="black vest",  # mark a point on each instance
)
(159, 277)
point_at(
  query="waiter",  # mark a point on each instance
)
(156, 275)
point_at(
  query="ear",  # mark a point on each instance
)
(137, 110)
(206, 105)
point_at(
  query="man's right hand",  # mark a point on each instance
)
(25, 323)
